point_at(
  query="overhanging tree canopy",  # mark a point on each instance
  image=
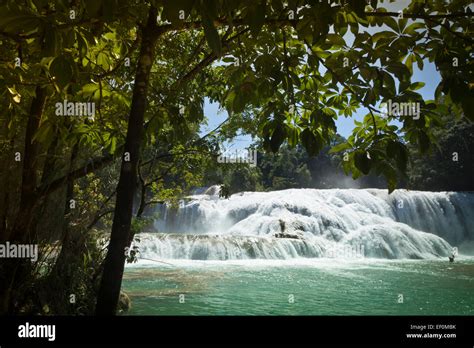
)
(284, 71)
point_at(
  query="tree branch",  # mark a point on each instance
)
(208, 60)
(98, 217)
(420, 16)
(97, 163)
(455, 33)
(238, 22)
(342, 82)
(292, 22)
(375, 123)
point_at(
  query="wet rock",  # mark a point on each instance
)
(287, 235)
(124, 303)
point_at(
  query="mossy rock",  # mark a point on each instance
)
(124, 303)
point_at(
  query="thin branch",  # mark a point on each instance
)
(237, 22)
(210, 58)
(455, 33)
(169, 154)
(159, 177)
(98, 163)
(195, 52)
(375, 124)
(342, 82)
(141, 208)
(154, 202)
(421, 16)
(292, 22)
(122, 60)
(160, 29)
(212, 131)
(98, 217)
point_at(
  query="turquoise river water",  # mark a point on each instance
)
(302, 287)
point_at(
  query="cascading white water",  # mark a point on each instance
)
(312, 223)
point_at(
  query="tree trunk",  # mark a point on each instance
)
(119, 239)
(61, 279)
(15, 271)
(28, 195)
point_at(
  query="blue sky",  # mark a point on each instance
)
(428, 75)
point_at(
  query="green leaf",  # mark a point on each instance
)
(212, 35)
(362, 162)
(103, 60)
(69, 38)
(61, 70)
(89, 90)
(239, 102)
(399, 69)
(410, 30)
(335, 40)
(358, 6)
(93, 7)
(416, 85)
(366, 73)
(419, 61)
(14, 21)
(392, 23)
(391, 183)
(51, 43)
(354, 28)
(402, 24)
(278, 137)
(467, 105)
(256, 17)
(44, 134)
(82, 45)
(293, 136)
(409, 62)
(311, 142)
(389, 83)
(399, 152)
(383, 35)
(113, 144)
(340, 147)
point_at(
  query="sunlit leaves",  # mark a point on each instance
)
(316, 71)
(16, 97)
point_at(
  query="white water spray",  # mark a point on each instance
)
(341, 223)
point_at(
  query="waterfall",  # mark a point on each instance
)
(312, 223)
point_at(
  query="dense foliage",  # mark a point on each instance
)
(289, 168)
(449, 165)
(283, 70)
